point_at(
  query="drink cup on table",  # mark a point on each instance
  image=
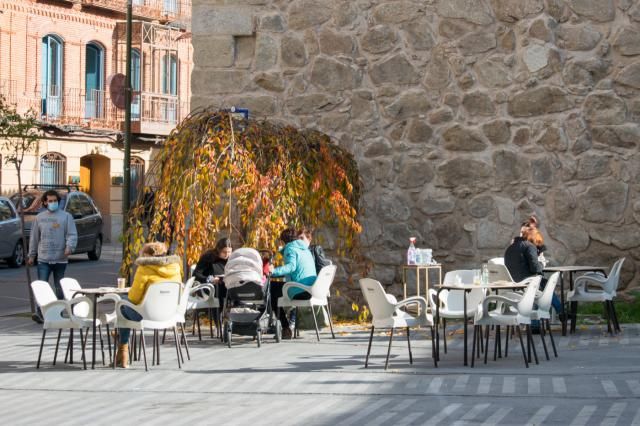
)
(122, 283)
(476, 277)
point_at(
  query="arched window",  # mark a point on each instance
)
(169, 74)
(136, 83)
(52, 62)
(53, 168)
(137, 178)
(94, 81)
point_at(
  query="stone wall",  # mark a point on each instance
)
(465, 116)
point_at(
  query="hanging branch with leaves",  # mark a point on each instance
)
(251, 183)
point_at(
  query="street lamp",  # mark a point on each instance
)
(126, 189)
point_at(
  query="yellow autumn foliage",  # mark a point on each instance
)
(247, 184)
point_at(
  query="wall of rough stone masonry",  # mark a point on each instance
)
(465, 116)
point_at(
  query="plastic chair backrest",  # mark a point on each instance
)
(525, 305)
(69, 287)
(498, 272)
(184, 296)
(160, 302)
(544, 301)
(496, 261)
(320, 288)
(614, 276)
(455, 299)
(42, 293)
(376, 298)
(192, 270)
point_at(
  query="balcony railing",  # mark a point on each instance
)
(162, 10)
(93, 109)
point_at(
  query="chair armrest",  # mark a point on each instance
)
(111, 297)
(432, 295)
(63, 305)
(292, 284)
(583, 282)
(500, 300)
(410, 301)
(207, 289)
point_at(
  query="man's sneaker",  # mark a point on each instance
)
(37, 318)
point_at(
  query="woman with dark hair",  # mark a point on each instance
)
(298, 267)
(210, 266)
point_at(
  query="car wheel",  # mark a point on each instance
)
(97, 249)
(17, 258)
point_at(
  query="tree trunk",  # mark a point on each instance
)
(24, 245)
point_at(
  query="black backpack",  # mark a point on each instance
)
(318, 257)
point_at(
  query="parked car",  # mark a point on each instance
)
(77, 203)
(11, 248)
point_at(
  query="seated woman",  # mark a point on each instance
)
(298, 267)
(154, 266)
(521, 257)
(210, 266)
(534, 236)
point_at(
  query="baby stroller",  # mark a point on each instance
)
(247, 307)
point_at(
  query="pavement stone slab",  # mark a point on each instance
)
(594, 381)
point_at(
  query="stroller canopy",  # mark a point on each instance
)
(244, 265)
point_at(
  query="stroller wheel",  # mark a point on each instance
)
(259, 337)
(278, 331)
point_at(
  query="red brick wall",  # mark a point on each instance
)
(23, 23)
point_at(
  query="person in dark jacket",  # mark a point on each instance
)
(210, 266)
(521, 258)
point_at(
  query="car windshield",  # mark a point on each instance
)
(31, 203)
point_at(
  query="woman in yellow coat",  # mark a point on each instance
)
(154, 266)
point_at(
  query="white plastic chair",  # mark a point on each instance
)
(508, 312)
(319, 292)
(204, 297)
(58, 315)
(386, 313)
(594, 287)
(541, 311)
(158, 311)
(452, 302)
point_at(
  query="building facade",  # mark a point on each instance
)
(464, 116)
(66, 61)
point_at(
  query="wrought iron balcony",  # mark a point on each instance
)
(151, 113)
(161, 10)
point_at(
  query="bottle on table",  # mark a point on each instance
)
(411, 252)
(485, 274)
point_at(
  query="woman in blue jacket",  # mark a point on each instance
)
(299, 267)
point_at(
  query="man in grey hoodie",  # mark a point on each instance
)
(53, 239)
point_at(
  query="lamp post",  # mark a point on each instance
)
(126, 190)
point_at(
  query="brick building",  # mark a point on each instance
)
(62, 59)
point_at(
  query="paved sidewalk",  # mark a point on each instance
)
(595, 380)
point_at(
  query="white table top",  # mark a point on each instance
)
(574, 268)
(497, 285)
